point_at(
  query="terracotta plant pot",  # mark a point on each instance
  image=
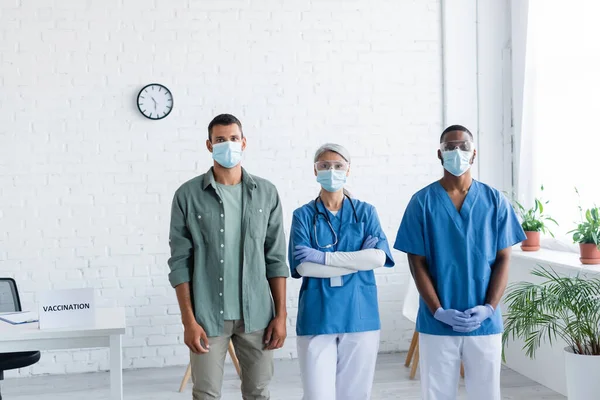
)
(589, 253)
(532, 243)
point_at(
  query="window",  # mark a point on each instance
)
(560, 133)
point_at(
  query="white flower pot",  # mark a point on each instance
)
(583, 376)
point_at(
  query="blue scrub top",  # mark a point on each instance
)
(460, 248)
(352, 307)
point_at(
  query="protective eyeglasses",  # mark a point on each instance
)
(335, 165)
(464, 145)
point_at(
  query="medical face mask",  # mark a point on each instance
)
(227, 154)
(457, 161)
(331, 180)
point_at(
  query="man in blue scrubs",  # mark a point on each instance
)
(458, 235)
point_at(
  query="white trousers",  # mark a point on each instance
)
(339, 366)
(440, 357)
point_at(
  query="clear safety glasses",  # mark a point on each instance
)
(335, 165)
(464, 145)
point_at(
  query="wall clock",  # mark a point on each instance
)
(155, 101)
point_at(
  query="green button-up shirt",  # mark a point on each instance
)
(197, 249)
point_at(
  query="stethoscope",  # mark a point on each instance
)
(324, 215)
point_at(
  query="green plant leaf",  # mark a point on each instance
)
(539, 206)
(563, 307)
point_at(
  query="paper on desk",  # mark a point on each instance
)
(19, 317)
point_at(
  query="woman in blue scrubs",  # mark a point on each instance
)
(335, 244)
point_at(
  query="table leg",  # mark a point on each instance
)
(116, 368)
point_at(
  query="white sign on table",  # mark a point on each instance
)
(67, 308)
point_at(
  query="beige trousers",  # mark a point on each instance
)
(256, 364)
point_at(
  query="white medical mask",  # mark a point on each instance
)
(331, 180)
(227, 154)
(457, 161)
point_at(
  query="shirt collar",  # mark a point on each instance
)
(209, 180)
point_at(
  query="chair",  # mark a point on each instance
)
(410, 310)
(10, 302)
(188, 371)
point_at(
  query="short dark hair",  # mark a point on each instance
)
(453, 128)
(224, 120)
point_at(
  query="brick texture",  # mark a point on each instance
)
(86, 182)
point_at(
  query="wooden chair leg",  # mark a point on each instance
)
(413, 355)
(234, 359)
(186, 378)
(411, 349)
(413, 370)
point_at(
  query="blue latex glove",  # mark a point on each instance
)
(467, 327)
(307, 254)
(479, 313)
(456, 319)
(370, 243)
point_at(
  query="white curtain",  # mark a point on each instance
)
(560, 126)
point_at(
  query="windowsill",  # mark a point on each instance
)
(561, 259)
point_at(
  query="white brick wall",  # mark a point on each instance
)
(86, 182)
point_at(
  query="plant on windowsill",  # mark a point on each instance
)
(533, 222)
(587, 234)
(560, 307)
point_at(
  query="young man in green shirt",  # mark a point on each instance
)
(228, 267)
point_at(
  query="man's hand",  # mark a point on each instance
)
(479, 313)
(195, 337)
(275, 334)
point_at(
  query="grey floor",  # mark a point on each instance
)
(391, 382)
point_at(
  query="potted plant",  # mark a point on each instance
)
(587, 234)
(560, 307)
(533, 221)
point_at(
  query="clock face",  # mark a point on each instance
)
(155, 101)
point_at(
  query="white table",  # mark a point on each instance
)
(106, 332)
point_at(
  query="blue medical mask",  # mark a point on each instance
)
(457, 161)
(331, 180)
(227, 154)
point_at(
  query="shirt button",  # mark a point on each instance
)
(220, 294)
(221, 261)
(220, 279)
(222, 215)
(221, 230)
(260, 210)
(222, 245)
(220, 202)
(199, 216)
(221, 311)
